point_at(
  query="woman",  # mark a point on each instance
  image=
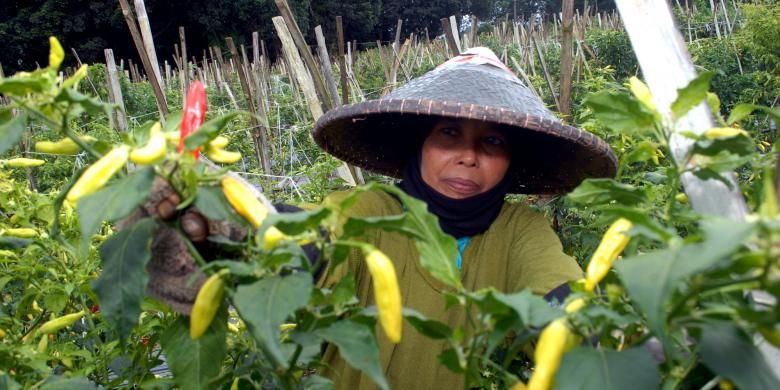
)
(461, 137)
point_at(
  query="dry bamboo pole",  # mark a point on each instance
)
(667, 66)
(385, 68)
(397, 40)
(79, 64)
(322, 52)
(146, 35)
(546, 73)
(474, 29)
(394, 70)
(451, 43)
(296, 67)
(184, 76)
(342, 62)
(162, 104)
(303, 48)
(715, 18)
(566, 57)
(115, 92)
(454, 26)
(258, 115)
(525, 77)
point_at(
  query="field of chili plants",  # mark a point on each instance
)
(670, 298)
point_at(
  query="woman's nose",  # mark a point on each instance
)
(468, 156)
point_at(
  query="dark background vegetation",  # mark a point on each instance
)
(91, 26)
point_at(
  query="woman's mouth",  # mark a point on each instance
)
(462, 186)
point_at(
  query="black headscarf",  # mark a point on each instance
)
(457, 217)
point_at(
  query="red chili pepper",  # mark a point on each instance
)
(145, 341)
(95, 308)
(194, 114)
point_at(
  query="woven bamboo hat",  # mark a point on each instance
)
(548, 157)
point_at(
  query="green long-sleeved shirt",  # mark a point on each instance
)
(518, 251)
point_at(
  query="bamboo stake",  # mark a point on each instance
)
(258, 129)
(322, 51)
(184, 78)
(146, 35)
(451, 44)
(566, 57)
(158, 93)
(303, 48)
(546, 73)
(342, 62)
(115, 92)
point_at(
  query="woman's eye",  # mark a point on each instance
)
(495, 141)
(449, 130)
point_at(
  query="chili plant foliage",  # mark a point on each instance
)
(75, 310)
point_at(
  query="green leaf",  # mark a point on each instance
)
(91, 105)
(590, 368)
(429, 328)
(316, 382)
(740, 111)
(740, 145)
(692, 94)
(437, 249)
(728, 352)
(533, 310)
(195, 362)
(652, 279)
(113, 202)
(357, 345)
(298, 222)
(211, 202)
(643, 151)
(122, 283)
(11, 132)
(58, 382)
(209, 130)
(23, 85)
(392, 223)
(620, 112)
(593, 192)
(266, 304)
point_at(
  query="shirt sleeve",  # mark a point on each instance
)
(543, 265)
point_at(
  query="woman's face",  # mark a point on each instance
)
(463, 158)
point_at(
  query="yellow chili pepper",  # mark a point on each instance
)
(98, 174)
(21, 162)
(724, 132)
(21, 232)
(219, 142)
(63, 146)
(248, 206)
(56, 53)
(518, 386)
(575, 305)
(681, 197)
(206, 304)
(153, 151)
(554, 341)
(613, 242)
(56, 324)
(222, 156)
(43, 345)
(2, 333)
(386, 293)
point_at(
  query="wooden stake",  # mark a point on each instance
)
(322, 51)
(115, 92)
(184, 70)
(546, 73)
(258, 129)
(303, 48)
(566, 57)
(451, 44)
(342, 62)
(667, 66)
(146, 35)
(162, 105)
